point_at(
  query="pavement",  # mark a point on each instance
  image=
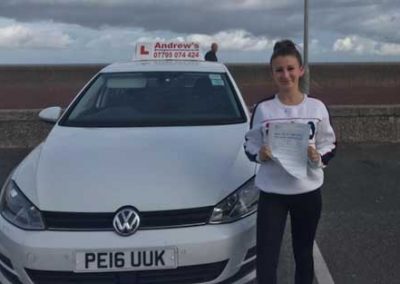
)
(358, 236)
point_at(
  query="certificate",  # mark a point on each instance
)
(288, 143)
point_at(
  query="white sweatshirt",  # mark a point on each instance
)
(271, 177)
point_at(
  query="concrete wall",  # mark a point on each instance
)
(21, 128)
(355, 124)
(368, 123)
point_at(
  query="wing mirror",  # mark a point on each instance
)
(50, 114)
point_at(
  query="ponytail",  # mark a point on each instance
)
(284, 48)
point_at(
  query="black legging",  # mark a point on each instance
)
(305, 211)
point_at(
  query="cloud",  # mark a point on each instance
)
(270, 18)
(389, 49)
(108, 44)
(349, 44)
(23, 36)
(342, 29)
(383, 26)
(376, 19)
(361, 46)
(254, 4)
(235, 4)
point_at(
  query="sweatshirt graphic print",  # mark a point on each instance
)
(273, 178)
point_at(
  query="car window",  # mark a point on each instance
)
(156, 99)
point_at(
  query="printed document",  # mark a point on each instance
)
(288, 143)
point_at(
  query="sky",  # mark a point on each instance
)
(105, 31)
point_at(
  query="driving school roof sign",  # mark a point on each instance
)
(168, 51)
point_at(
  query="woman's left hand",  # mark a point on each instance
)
(313, 154)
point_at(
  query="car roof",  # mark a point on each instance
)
(165, 65)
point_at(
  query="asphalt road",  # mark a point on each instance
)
(359, 229)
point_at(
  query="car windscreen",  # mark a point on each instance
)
(156, 99)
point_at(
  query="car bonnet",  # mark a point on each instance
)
(152, 168)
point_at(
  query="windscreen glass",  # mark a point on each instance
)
(156, 99)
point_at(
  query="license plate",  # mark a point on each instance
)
(137, 259)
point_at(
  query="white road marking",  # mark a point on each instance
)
(321, 270)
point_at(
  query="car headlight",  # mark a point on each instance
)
(18, 210)
(239, 204)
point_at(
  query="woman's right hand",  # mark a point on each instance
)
(265, 153)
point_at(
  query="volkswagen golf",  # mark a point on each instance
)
(142, 179)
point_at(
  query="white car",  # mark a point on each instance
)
(143, 179)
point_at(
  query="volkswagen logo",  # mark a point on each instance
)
(126, 221)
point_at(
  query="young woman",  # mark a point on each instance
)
(280, 192)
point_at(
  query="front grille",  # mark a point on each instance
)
(251, 252)
(11, 277)
(181, 275)
(6, 261)
(148, 220)
(246, 269)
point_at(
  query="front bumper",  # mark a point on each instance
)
(46, 254)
